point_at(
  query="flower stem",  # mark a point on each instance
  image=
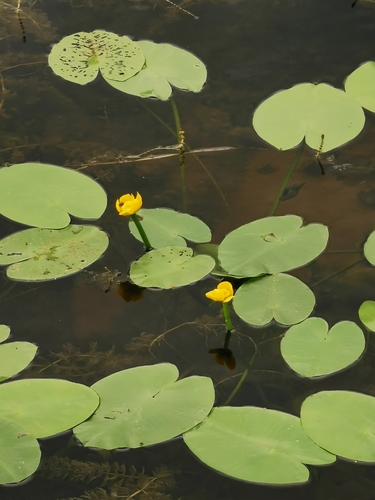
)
(141, 231)
(228, 321)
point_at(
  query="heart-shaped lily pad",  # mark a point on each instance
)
(20, 452)
(166, 65)
(271, 245)
(256, 444)
(312, 350)
(45, 254)
(44, 195)
(78, 57)
(167, 228)
(145, 405)
(45, 406)
(367, 314)
(342, 422)
(361, 84)
(309, 111)
(279, 296)
(169, 267)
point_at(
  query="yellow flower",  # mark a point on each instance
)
(128, 204)
(222, 293)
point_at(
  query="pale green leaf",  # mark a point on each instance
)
(4, 332)
(14, 357)
(367, 314)
(361, 85)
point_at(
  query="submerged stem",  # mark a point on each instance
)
(181, 142)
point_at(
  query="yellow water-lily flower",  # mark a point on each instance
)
(129, 204)
(222, 293)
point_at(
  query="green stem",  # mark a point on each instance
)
(228, 321)
(141, 231)
(177, 122)
(287, 178)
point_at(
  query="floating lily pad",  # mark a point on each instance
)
(309, 111)
(361, 85)
(271, 245)
(20, 452)
(256, 445)
(145, 405)
(280, 296)
(45, 254)
(4, 332)
(43, 195)
(45, 406)
(169, 267)
(312, 350)
(166, 65)
(211, 249)
(369, 248)
(78, 57)
(14, 357)
(167, 228)
(367, 314)
(342, 422)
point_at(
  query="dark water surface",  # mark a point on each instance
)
(252, 49)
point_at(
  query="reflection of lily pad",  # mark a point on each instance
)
(279, 296)
(167, 228)
(145, 405)
(256, 444)
(20, 452)
(78, 57)
(44, 195)
(312, 350)
(169, 267)
(342, 422)
(166, 65)
(310, 111)
(45, 254)
(271, 245)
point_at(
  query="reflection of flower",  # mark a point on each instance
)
(128, 204)
(224, 356)
(222, 293)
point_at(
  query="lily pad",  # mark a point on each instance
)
(20, 452)
(45, 406)
(309, 111)
(361, 85)
(169, 267)
(312, 350)
(256, 445)
(271, 245)
(4, 332)
(166, 65)
(280, 296)
(78, 57)
(14, 357)
(167, 228)
(367, 314)
(342, 422)
(45, 254)
(44, 195)
(369, 248)
(145, 405)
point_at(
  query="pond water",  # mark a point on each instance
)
(82, 325)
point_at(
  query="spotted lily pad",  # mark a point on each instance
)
(45, 254)
(78, 57)
(166, 65)
(169, 267)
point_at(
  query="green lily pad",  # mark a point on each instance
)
(20, 452)
(361, 85)
(169, 267)
(78, 57)
(369, 248)
(45, 254)
(309, 111)
(312, 350)
(168, 228)
(43, 195)
(256, 445)
(211, 249)
(166, 65)
(4, 332)
(367, 314)
(14, 357)
(271, 245)
(45, 406)
(145, 405)
(342, 422)
(279, 296)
